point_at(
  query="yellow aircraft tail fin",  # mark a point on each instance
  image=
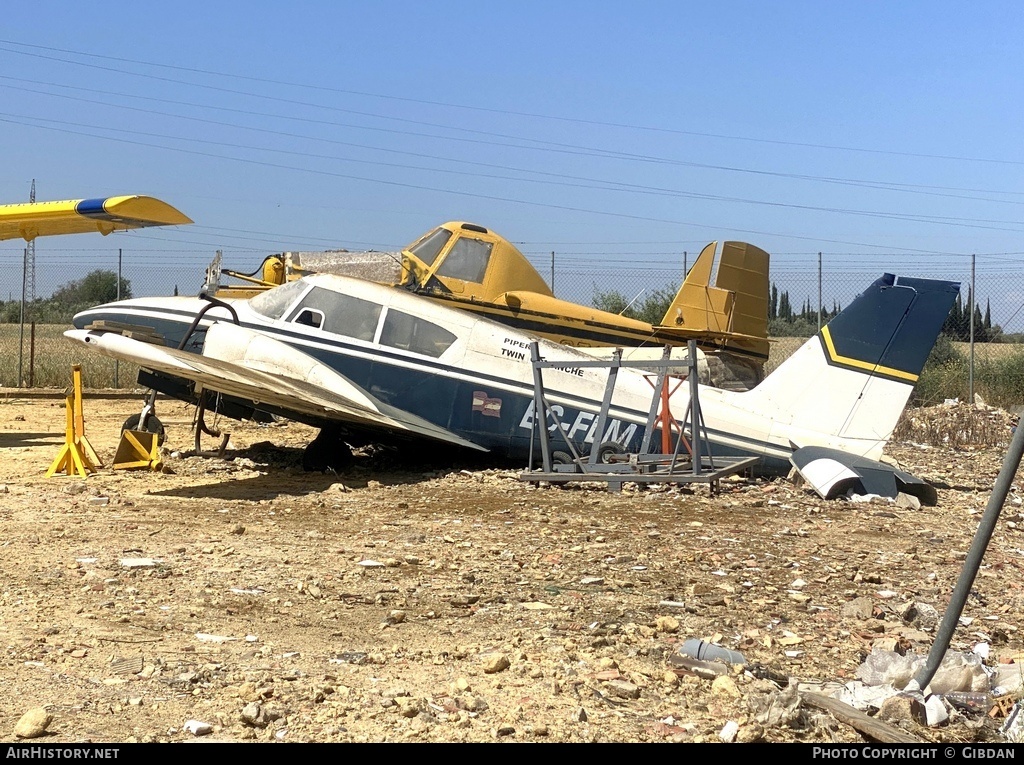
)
(738, 301)
(743, 271)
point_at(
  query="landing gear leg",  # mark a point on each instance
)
(327, 453)
(146, 420)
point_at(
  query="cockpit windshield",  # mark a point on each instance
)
(467, 261)
(427, 248)
(274, 302)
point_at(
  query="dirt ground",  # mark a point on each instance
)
(241, 599)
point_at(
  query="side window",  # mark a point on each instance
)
(338, 313)
(311, 318)
(467, 260)
(410, 333)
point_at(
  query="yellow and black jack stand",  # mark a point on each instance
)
(139, 449)
(76, 456)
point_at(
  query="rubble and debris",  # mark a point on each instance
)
(785, 579)
(956, 671)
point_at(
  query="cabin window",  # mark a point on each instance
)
(467, 261)
(311, 318)
(339, 313)
(427, 248)
(274, 302)
(411, 333)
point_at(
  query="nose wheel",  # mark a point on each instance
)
(146, 422)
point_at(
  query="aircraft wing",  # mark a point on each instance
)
(84, 216)
(255, 367)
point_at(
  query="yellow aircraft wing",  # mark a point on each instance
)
(83, 216)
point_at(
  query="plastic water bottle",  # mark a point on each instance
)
(705, 651)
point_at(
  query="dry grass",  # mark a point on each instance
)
(50, 364)
(955, 425)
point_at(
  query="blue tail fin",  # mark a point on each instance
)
(891, 327)
(847, 387)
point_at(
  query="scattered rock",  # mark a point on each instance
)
(921, 615)
(623, 689)
(495, 662)
(667, 624)
(858, 608)
(197, 728)
(729, 731)
(899, 709)
(725, 686)
(33, 723)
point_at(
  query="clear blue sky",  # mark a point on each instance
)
(883, 134)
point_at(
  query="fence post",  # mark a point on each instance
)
(552, 272)
(974, 298)
(21, 331)
(117, 364)
(32, 356)
(819, 292)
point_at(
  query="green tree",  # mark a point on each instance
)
(612, 301)
(650, 308)
(99, 286)
(785, 309)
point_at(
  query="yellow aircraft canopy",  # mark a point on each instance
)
(83, 216)
(469, 261)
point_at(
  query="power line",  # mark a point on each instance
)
(907, 188)
(503, 112)
(493, 197)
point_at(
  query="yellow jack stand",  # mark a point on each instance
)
(77, 454)
(138, 449)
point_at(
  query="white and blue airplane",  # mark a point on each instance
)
(368, 363)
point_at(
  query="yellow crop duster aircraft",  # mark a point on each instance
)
(29, 220)
(467, 266)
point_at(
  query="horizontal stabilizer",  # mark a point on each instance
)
(834, 473)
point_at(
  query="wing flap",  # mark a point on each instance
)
(295, 382)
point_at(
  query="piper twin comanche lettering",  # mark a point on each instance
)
(367, 363)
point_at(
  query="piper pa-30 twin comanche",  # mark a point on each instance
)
(367, 363)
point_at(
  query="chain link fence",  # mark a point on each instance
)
(40, 356)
